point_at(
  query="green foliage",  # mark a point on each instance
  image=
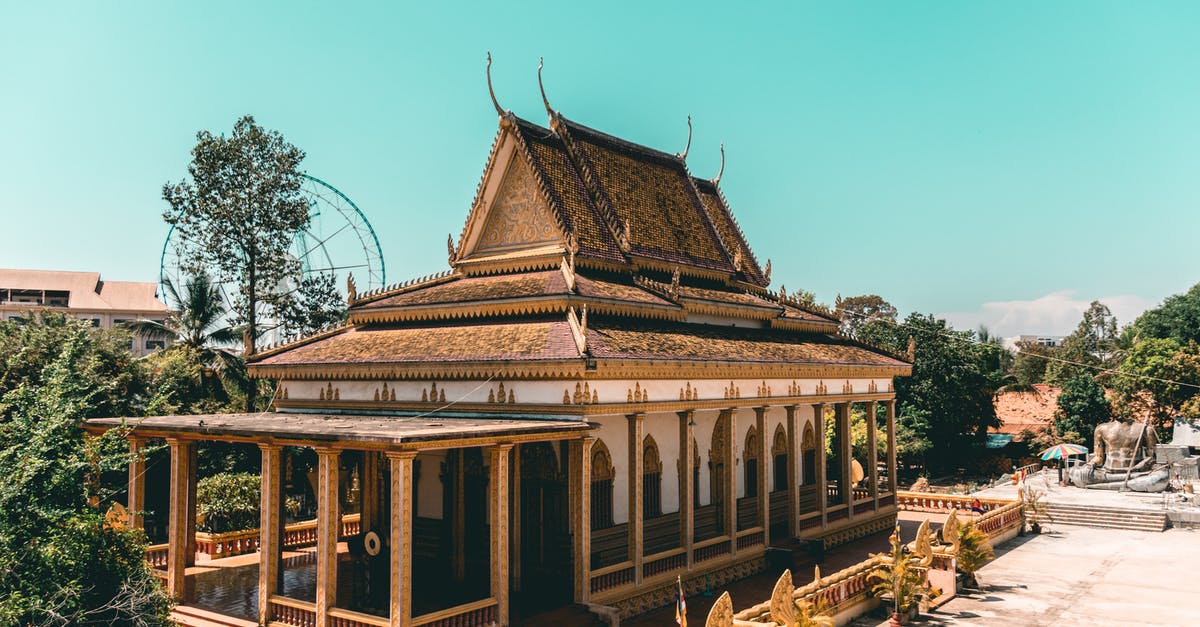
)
(60, 563)
(1157, 367)
(1095, 343)
(948, 399)
(899, 577)
(974, 550)
(809, 614)
(1178, 318)
(237, 216)
(105, 366)
(856, 311)
(318, 304)
(228, 502)
(1030, 363)
(1081, 407)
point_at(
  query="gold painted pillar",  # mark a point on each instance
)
(458, 519)
(270, 529)
(370, 491)
(515, 508)
(687, 512)
(764, 470)
(635, 494)
(191, 506)
(846, 442)
(581, 517)
(328, 528)
(873, 453)
(183, 486)
(137, 481)
(401, 536)
(793, 469)
(731, 459)
(498, 519)
(891, 436)
(822, 482)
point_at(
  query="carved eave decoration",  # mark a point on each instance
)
(534, 305)
(404, 287)
(287, 345)
(804, 326)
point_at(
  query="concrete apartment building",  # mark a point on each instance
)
(84, 295)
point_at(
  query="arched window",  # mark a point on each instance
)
(602, 486)
(651, 479)
(718, 464)
(808, 448)
(750, 457)
(695, 474)
(779, 455)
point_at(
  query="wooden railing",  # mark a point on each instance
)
(217, 545)
(1002, 519)
(864, 506)
(156, 555)
(228, 544)
(750, 538)
(664, 562)
(709, 549)
(838, 513)
(943, 503)
(1029, 468)
(613, 576)
(292, 612)
(475, 614)
(813, 521)
(347, 618)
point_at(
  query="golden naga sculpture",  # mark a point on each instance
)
(783, 606)
(721, 614)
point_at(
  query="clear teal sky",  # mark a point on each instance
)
(1031, 155)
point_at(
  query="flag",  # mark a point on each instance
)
(680, 604)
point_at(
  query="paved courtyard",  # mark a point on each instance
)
(1083, 576)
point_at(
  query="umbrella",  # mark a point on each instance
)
(1064, 450)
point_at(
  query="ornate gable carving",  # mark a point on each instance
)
(518, 216)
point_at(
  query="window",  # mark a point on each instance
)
(808, 448)
(779, 453)
(651, 479)
(155, 344)
(695, 474)
(602, 486)
(750, 457)
(95, 321)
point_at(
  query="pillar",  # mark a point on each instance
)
(183, 488)
(370, 490)
(581, 517)
(846, 443)
(793, 487)
(498, 517)
(458, 519)
(635, 494)
(400, 543)
(514, 487)
(137, 482)
(765, 467)
(270, 529)
(687, 498)
(190, 556)
(329, 524)
(873, 453)
(731, 460)
(822, 484)
(891, 436)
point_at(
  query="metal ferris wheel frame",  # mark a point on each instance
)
(319, 192)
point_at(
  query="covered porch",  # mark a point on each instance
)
(409, 557)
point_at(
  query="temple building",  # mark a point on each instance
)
(601, 394)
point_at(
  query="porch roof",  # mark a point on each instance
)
(438, 430)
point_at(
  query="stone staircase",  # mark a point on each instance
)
(567, 615)
(189, 616)
(1106, 517)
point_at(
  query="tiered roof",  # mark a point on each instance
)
(570, 222)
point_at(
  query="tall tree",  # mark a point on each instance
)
(1081, 407)
(1178, 318)
(237, 215)
(1029, 364)
(1094, 344)
(856, 311)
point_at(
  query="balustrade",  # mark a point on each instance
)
(476, 614)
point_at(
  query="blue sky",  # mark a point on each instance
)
(1001, 163)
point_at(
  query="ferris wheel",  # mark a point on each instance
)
(338, 241)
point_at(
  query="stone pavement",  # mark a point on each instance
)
(1083, 576)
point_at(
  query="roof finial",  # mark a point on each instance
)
(717, 180)
(492, 92)
(683, 155)
(545, 101)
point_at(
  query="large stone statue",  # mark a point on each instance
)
(1123, 459)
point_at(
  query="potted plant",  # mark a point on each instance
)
(1035, 509)
(974, 550)
(901, 578)
(808, 614)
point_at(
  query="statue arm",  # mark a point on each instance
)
(1098, 448)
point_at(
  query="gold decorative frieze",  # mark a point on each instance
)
(847, 387)
(689, 393)
(636, 394)
(872, 387)
(433, 394)
(821, 389)
(794, 388)
(330, 393)
(283, 393)
(498, 395)
(583, 394)
(764, 390)
(733, 391)
(384, 393)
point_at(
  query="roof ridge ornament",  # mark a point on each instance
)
(683, 155)
(717, 180)
(541, 88)
(492, 92)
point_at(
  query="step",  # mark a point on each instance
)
(197, 617)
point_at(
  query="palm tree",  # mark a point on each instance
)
(199, 323)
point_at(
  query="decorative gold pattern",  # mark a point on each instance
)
(764, 390)
(602, 466)
(872, 387)
(721, 614)
(637, 394)
(821, 389)
(518, 217)
(848, 388)
(783, 606)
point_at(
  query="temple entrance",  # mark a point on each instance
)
(546, 572)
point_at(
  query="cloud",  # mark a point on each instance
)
(1056, 313)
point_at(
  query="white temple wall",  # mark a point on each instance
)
(665, 429)
(776, 417)
(703, 431)
(614, 431)
(745, 418)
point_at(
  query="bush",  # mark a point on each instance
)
(228, 502)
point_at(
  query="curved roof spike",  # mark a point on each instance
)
(717, 179)
(492, 92)
(545, 101)
(683, 155)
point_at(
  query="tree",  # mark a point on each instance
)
(1178, 318)
(1081, 407)
(974, 550)
(1029, 364)
(1094, 344)
(318, 305)
(948, 398)
(237, 216)
(859, 310)
(1162, 376)
(61, 562)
